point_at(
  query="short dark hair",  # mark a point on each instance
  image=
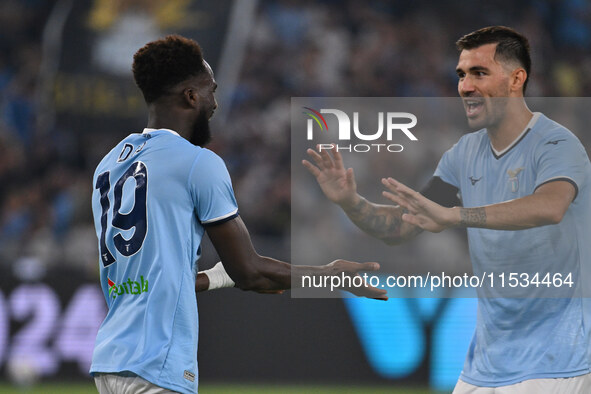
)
(511, 46)
(159, 65)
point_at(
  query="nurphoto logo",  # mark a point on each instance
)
(396, 124)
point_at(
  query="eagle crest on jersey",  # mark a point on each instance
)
(513, 178)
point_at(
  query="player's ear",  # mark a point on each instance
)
(190, 96)
(518, 78)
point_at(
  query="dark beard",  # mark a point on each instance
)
(200, 134)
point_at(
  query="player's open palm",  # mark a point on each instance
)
(336, 182)
(421, 211)
(359, 287)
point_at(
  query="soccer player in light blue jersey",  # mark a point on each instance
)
(525, 187)
(155, 194)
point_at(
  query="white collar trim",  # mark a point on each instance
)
(149, 130)
(527, 128)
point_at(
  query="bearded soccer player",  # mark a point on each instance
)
(156, 192)
(525, 187)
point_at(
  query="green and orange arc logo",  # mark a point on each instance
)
(316, 116)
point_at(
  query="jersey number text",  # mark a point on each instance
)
(135, 218)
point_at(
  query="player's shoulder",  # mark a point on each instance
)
(473, 140)
(184, 151)
(113, 153)
(207, 162)
(547, 132)
(474, 136)
(170, 139)
(207, 155)
(209, 170)
(169, 145)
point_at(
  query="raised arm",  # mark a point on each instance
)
(547, 205)
(250, 271)
(378, 220)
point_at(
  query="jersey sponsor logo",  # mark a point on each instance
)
(555, 142)
(474, 180)
(513, 181)
(130, 287)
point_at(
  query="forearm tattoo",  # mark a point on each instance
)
(473, 217)
(378, 221)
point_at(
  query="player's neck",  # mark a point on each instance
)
(510, 127)
(167, 118)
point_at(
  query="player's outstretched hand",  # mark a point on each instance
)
(422, 212)
(352, 269)
(336, 183)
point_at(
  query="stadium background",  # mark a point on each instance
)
(67, 96)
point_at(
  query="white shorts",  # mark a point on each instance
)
(111, 383)
(576, 385)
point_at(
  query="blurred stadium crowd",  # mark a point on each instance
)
(297, 48)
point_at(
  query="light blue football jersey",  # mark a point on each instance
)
(153, 195)
(529, 335)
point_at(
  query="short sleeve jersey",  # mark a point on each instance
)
(529, 335)
(153, 195)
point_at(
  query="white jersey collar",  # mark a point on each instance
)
(527, 128)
